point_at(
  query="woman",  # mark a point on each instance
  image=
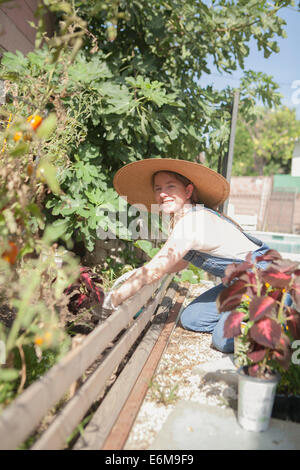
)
(189, 192)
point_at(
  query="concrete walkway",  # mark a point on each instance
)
(196, 426)
(192, 426)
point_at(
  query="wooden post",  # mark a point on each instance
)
(227, 164)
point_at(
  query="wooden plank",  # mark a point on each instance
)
(19, 13)
(100, 425)
(11, 39)
(56, 435)
(32, 4)
(121, 429)
(21, 418)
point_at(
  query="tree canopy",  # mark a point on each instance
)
(123, 80)
(266, 146)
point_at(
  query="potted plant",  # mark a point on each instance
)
(267, 301)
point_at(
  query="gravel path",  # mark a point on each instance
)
(175, 379)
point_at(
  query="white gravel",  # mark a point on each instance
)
(175, 379)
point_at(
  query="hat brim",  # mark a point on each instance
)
(134, 181)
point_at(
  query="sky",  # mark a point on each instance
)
(283, 66)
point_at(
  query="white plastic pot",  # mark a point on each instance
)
(255, 400)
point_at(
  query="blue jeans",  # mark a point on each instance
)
(202, 315)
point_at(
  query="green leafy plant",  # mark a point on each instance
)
(121, 97)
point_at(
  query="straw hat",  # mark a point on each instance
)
(135, 181)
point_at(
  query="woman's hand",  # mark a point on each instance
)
(167, 260)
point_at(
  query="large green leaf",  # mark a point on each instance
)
(88, 71)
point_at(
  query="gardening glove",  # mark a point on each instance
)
(107, 306)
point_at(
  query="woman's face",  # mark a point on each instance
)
(170, 193)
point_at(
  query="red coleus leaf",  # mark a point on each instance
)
(293, 323)
(253, 370)
(235, 270)
(260, 307)
(92, 293)
(99, 295)
(276, 294)
(266, 332)
(77, 302)
(231, 296)
(252, 280)
(258, 355)
(87, 281)
(270, 255)
(286, 266)
(68, 290)
(80, 300)
(283, 353)
(232, 324)
(276, 278)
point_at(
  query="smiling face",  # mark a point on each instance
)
(170, 193)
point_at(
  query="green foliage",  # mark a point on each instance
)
(134, 91)
(265, 146)
(147, 247)
(165, 394)
(120, 81)
(191, 274)
(36, 366)
(289, 380)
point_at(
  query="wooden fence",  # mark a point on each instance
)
(118, 335)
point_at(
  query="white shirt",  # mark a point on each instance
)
(210, 233)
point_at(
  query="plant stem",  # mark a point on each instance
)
(258, 284)
(23, 371)
(281, 307)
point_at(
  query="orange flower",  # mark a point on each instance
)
(48, 337)
(38, 340)
(35, 121)
(18, 135)
(10, 255)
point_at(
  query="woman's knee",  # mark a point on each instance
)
(225, 345)
(202, 314)
(192, 319)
